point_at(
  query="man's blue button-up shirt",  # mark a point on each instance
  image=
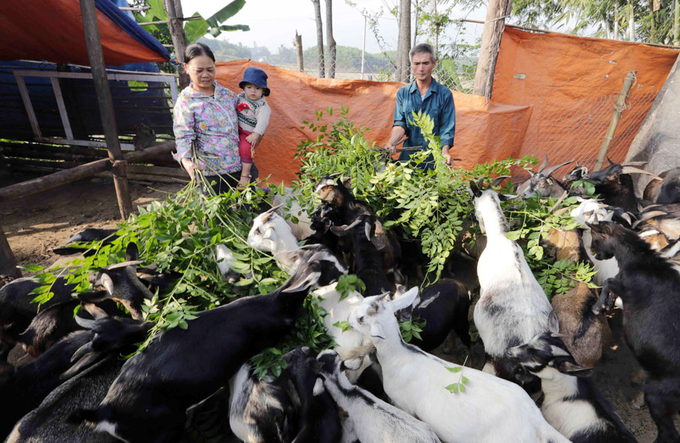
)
(437, 103)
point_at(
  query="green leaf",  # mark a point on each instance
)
(225, 13)
(455, 369)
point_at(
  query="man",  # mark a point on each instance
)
(425, 94)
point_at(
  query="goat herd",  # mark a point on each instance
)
(371, 386)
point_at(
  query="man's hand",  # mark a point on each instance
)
(392, 148)
(448, 159)
(254, 139)
(190, 166)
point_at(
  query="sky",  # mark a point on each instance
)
(274, 22)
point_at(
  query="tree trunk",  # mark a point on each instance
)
(179, 40)
(404, 41)
(331, 40)
(676, 24)
(616, 22)
(319, 36)
(298, 48)
(491, 44)
(415, 22)
(436, 28)
(631, 24)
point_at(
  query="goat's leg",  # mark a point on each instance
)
(610, 290)
(663, 400)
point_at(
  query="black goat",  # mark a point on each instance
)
(148, 400)
(319, 415)
(368, 260)
(106, 236)
(666, 190)
(649, 287)
(615, 186)
(444, 306)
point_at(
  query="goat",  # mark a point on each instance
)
(30, 383)
(147, 400)
(319, 415)
(666, 190)
(649, 288)
(106, 236)
(17, 308)
(541, 182)
(615, 186)
(373, 420)
(270, 233)
(585, 335)
(512, 306)
(444, 306)
(119, 282)
(300, 227)
(260, 409)
(368, 264)
(490, 410)
(572, 402)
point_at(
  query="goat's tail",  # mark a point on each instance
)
(588, 317)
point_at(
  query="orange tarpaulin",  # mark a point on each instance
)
(53, 31)
(484, 130)
(572, 83)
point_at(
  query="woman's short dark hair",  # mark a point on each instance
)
(197, 49)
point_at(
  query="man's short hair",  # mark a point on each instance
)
(423, 48)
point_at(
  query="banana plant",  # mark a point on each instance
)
(194, 29)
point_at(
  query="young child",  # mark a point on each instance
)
(253, 117)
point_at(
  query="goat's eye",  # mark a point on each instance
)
(360, 320)
(257, 231)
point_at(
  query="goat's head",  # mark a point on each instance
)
(271, 233)
(541, 182)
(606, 236)
(316, 260)
(333, 189)
(611, 175)
(487, 202)
(120, 283)
(330, 366)
(374, 317)
(545, 354)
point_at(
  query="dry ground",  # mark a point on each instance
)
(36, 224)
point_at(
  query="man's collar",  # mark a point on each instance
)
(413, 86)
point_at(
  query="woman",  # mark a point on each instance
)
(206, 123)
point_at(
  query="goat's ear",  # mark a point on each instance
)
(498, 180)
(132, 252)
(315, 366)
(553, 323)
(318, 387)
(270, 234)
(506, 197)
(377, 330)
(405, 300)
(352, 364)
(367, 230)
(346, 182)
(476, 192)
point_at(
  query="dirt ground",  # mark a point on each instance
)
(36, 224)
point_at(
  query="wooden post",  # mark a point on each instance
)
(404, 42)
(298, 48)
(174, 10)
(676, 23)
(101, 86)
(618, 109)
(8, 265)
(491, 44)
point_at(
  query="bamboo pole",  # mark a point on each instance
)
(101, 86)
(618, 109)
(174, 10)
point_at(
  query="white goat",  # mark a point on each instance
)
(301, 229)
(271, 233)
(373, 420)
(489, 410)
(512, 307)
(338, 311)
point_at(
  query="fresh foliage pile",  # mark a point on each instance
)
(432, 206)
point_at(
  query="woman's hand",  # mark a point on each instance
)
(190, 166)
(254, 139)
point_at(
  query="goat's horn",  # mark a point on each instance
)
(552, 169)
(543, 165)
(269, 212)
(95, 311)
(497, 181)
(634, 170)
(638, 163)
(353, 224)
(84, 322)
(124, 264)
(652, 214)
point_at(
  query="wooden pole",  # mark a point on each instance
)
(404, 42)
(79, 172)
(330, 39)
(8, 265)
(491, 44)
(174, 10)
(676, 23)
(298, 49)
(618, 109)
(101, 86)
